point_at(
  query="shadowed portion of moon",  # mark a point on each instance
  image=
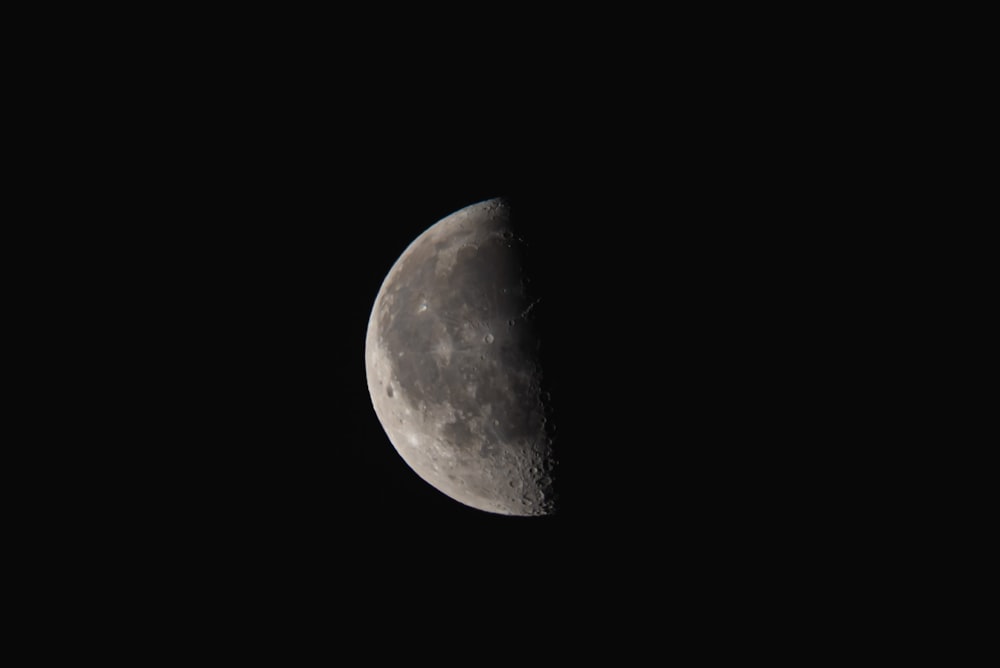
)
(453, 363)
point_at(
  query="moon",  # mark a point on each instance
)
(453, 365)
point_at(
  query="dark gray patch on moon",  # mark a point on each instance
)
(452, 342)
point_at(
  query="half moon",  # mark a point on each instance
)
(452, 362)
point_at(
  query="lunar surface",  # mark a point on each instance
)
(452, 360)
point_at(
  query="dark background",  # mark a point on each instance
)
(232, 216)
(245, 307)
(231, 294)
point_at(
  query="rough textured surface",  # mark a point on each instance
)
(452, 363)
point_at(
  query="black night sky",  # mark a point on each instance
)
(225, 201)
(270, 261)
(257, 269)
(241, 255)
(640, 359)
(264, 225)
